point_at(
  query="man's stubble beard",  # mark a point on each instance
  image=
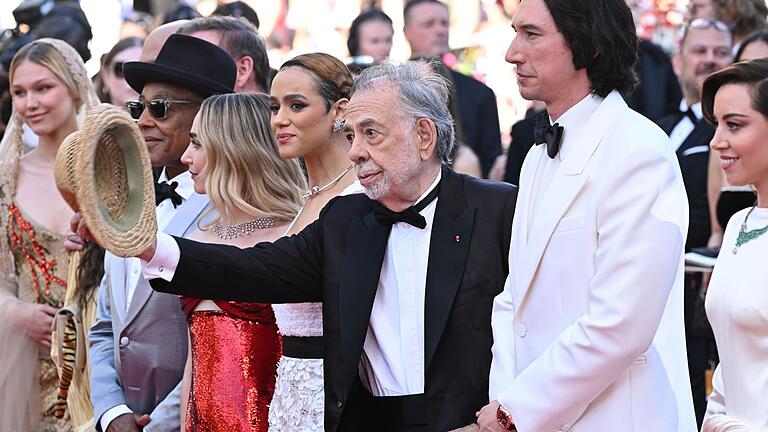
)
(396, 177)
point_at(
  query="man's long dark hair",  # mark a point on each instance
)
(602, 38)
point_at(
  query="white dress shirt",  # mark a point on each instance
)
(165, 212)
(392, 363)
(685, 126)
(573, 122)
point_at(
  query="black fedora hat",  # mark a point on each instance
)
(187, 62)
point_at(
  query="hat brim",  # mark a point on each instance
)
(113, 181)
(138, 74)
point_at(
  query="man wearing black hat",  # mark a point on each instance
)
(139, 340)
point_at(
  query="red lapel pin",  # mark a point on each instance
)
(458, 238)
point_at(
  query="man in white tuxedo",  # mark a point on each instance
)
(588, 332)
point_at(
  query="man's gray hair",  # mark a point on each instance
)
(423, 94)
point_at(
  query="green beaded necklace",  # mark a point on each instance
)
(747, 236)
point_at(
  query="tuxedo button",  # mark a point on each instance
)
(521, 330)
(339, 403)
(124, 341)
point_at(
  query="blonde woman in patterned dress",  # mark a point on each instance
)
(50, 88)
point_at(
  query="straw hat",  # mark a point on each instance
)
(103, 171)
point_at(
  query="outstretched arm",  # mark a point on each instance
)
(286, 271)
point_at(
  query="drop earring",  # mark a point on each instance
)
(338, 125)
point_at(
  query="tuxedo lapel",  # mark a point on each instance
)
(141, 295)
(178, 226)
(566, 184)
(668, 122)
(118, 280)
(186, 215)
(448, 250)
(699, 136)
(366, 246)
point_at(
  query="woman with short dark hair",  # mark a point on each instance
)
(735, 100)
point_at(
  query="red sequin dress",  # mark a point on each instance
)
(235, 352)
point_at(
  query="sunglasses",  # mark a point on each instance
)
(705, 23)
(158, 108)
(117, 69)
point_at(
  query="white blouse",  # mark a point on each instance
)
(737, 307)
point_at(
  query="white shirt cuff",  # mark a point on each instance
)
(163, 264)
(113, 413)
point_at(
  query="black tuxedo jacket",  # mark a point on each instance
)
(479, 118)
(693, 156)
(337, 260)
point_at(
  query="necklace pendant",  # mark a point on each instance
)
(314, 190)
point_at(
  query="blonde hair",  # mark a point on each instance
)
(244, 170)
(47, 55)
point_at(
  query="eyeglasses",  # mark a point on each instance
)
(158, 108)
(117, 69)
(705, 23)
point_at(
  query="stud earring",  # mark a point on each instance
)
(338, 125)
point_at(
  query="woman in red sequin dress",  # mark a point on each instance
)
(235, 347)
(51, 92)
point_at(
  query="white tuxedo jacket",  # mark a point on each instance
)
(588, 333)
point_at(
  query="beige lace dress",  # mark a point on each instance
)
(41, 266)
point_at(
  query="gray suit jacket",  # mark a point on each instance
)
(137, 357)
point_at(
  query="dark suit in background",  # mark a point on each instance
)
(338, 260)
(659, 91)
(479, 119)
(693, 156)
(522, 141)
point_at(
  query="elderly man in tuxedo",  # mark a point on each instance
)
(407, 272)
(588, 333)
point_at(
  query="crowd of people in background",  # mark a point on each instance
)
(244, 152)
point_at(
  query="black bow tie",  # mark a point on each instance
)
(691, 115)
(410, 215)
(163, 191)
(546, 133)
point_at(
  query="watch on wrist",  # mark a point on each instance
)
(504, 418)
